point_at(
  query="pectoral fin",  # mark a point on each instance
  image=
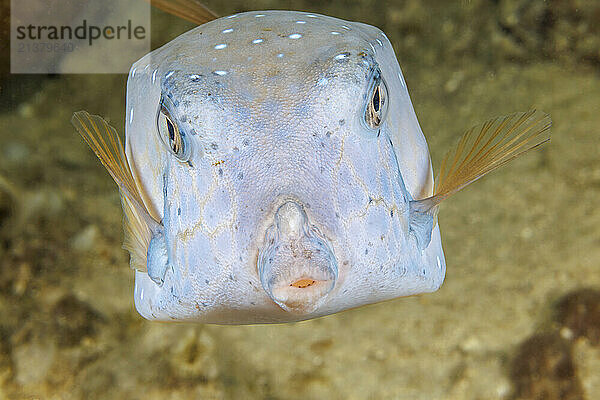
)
(138, 224)
(421, 226)
(479, 151)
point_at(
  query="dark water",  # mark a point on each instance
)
(511, 320)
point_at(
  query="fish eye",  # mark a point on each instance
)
(377, 103)
(171, 135)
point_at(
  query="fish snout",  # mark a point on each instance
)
(296, 265)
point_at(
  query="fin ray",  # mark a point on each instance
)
(104, 141)
(498, 141)
(106, 144)
(136, 235)
(190, 10)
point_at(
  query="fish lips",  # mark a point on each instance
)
(296, 264)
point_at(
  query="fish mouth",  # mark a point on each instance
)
(296, 265)
(302, 293)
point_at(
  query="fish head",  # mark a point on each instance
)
(280, 152)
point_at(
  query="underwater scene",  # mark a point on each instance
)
(517, 315)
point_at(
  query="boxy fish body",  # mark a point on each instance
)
(274, 171)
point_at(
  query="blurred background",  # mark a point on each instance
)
(518, 316)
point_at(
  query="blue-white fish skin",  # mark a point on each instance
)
(283, 182)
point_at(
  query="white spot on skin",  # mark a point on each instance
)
(227, 30)
(169, 74)
(131, 115)
(295, 36)
(194, 77)
(133, 72)
(220, 46)
(439, 263)
(311, 16)
(142, 294)
(300, 22)
(154, 75)
(220, 73)
(259, 15)
(280, 55)
(232, 16)
(345, 27)
(341, 56)
(256, 41)
(335, 33)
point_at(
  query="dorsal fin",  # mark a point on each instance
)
(190, 10)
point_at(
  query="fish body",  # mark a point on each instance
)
(274, 171)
